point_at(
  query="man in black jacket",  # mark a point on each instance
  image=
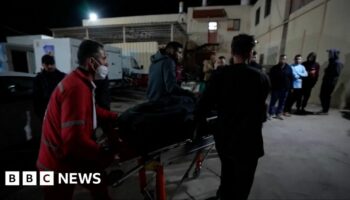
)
(238, 92)
(313, 68)
(44, 83)
(281, 77)
(330, 79)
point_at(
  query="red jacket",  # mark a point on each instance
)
(67, 143)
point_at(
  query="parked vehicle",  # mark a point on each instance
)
(19, 127)
(65, 52)
(18, 123)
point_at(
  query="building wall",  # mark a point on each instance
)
(319, 26)
(197, 29)
(269, 30)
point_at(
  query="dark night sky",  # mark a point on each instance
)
(27, 17)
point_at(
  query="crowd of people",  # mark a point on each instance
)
(238, 93)
(293, 83)
(73, 106)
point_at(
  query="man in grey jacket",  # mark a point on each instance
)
(162, 73)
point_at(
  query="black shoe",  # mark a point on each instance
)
(346, 114)
(298, 112)
(322, 113)
(306, 112)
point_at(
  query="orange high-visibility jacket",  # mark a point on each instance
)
(67, 143)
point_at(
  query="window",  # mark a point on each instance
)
(213, 26)
(19, 61)
(267, 8)
(212, 32)
(295, 5)
(257, 16)
(234, 25)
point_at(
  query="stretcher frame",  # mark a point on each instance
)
(157, 160)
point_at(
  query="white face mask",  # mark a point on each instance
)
(101, 72)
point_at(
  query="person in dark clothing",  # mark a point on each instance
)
(44, 83)
(103, 100)
(238, 92)
(330, 79)
(102, 93)
(281, 77)
(313, 69)
(253, 63)
(162, 74)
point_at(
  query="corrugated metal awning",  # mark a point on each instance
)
(159, 32)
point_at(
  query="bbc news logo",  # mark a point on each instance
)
(47, 178)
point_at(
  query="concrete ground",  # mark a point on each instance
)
(306, 157)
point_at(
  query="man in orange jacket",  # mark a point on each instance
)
(67, 143)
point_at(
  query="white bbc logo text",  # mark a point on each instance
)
(11, 178)
(28, 178)
(46, 178)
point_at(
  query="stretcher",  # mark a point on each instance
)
(156, 161)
